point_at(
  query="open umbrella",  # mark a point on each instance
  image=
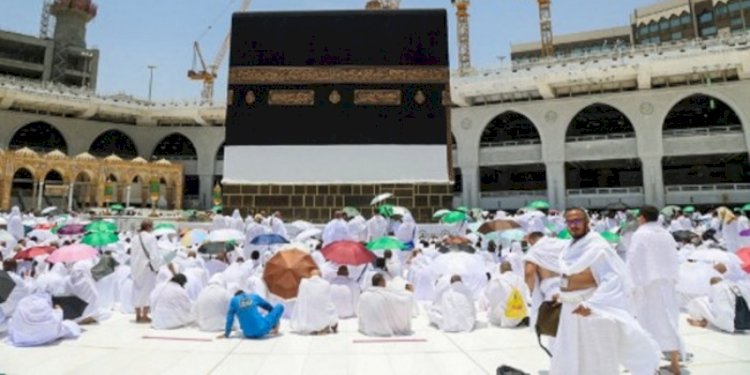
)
(165, 226)
(71, 229)
(49, 210)
(117, 207)
(683, 235)
(440, 213)
(285, 270)
(470, 267)
(41, 234)
(268, 239)
(44, 226)
(164, 231)
(307, 234)
(215, 247)
(73, 253)
(351, 211)
(511, 235)
(347, 252)
(6, 286)
(669, 211)
(386, 210)
(194, 237)
(497, 225)
(6, 236)
(746, 207)
(217, 209)
(617, 206)
(463, 209)
(223, 235)
(688, 209)
(72, 306)
(466, 248)
(386, 243)
(302, 225)
(539, 205)
(457, 240)
(101, 226)
(34, 252)
(564, 235)
(454, 217)
(100, 239)
(380, 198)
(745, 233)
(610, 237)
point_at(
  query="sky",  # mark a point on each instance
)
(133, 34)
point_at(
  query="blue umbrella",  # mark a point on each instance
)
(268, 239)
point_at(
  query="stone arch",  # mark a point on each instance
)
(510, 128)
(175, 146)
(84, 187)
(55, 174)
(599, 120)
(115, 142)
(23, 188)
(39, 136)
(700, 111)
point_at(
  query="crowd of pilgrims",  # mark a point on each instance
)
(621, 298)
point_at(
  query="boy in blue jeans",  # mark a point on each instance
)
(253, 323)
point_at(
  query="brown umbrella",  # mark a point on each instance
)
(496, 225)
(285, 270)
(456, 240)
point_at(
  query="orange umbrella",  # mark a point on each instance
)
(496, 225)
(285, 270)
(456, 240)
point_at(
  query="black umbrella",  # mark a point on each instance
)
(215, 247)
(684, 235)
(457, 247)
(72, 306)
(6, 286)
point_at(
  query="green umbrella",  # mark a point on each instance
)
(57, 228)
(440, 213)
(564, 235)
(610, 237)
(100, 239)
(539, 205)
(463, 209)
(165, 225)
(217, 209)
(670, 210)
(746, 207)
(634, 212)
(351, 211)
(454, 217)
(101, 226)
(386, 210)
(386, 243)
(116, 207)
(688, 209)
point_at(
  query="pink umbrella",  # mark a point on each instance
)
(73, 253)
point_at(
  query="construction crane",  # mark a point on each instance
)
(383, 4)
(208, 73)
(545, 24)
(462, 28)
(45, 25)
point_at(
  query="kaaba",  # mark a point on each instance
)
(328, 109)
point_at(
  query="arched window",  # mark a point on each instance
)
(40, 137)
(599, 120)
(113, 142)
(509, 129)
(175, 147)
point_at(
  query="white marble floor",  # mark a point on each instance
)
(119, 346)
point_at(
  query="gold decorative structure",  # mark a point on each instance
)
(94, 174)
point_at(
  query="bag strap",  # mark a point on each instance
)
(148, 256)
(539, 339)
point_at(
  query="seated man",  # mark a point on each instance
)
(212, 305)
(718, 309)
(314, 312)
(170, 304)
(384, 312)
(507, 290)
(345, 293)
(453, 308)
(254, 325)
(20, 291)
(35, 322)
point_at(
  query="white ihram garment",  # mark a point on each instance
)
(497, 293)
(144, 277)
(453, 309)
(210, 309)
(345, 295)
(314, 309)
(35, 322)
(385, 312)
(719, 307)
(170, 307)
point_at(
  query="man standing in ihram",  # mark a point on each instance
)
(596, 333)
(654, 267)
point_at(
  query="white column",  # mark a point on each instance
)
(555, 173)
(71, 186)
(127, 196)
(471, 189)
(41, 194)
(653, 181)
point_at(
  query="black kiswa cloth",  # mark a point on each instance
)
(72, 306)
(6, 286)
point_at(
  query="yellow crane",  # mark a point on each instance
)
(462, 29)
(545, 25)
(208, 73)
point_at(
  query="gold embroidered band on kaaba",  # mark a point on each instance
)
(250, 75)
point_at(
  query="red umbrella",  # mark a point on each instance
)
(33, 252)
(45, 226)
(744, 255)
(348, 252)
(73, 253)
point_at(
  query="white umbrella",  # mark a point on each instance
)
(6, 236)
(40, 234)
(164, 231)
(302, 225)
(440, 213)
(380, 198)
(401, 211)
(470, 267)
(224, 235)
(49, 210)
(307, 234)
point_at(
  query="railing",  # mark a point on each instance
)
(605, 191)
(707, 187)
(520, 142)
(512, 193)
(599, 137)
(696, 132)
